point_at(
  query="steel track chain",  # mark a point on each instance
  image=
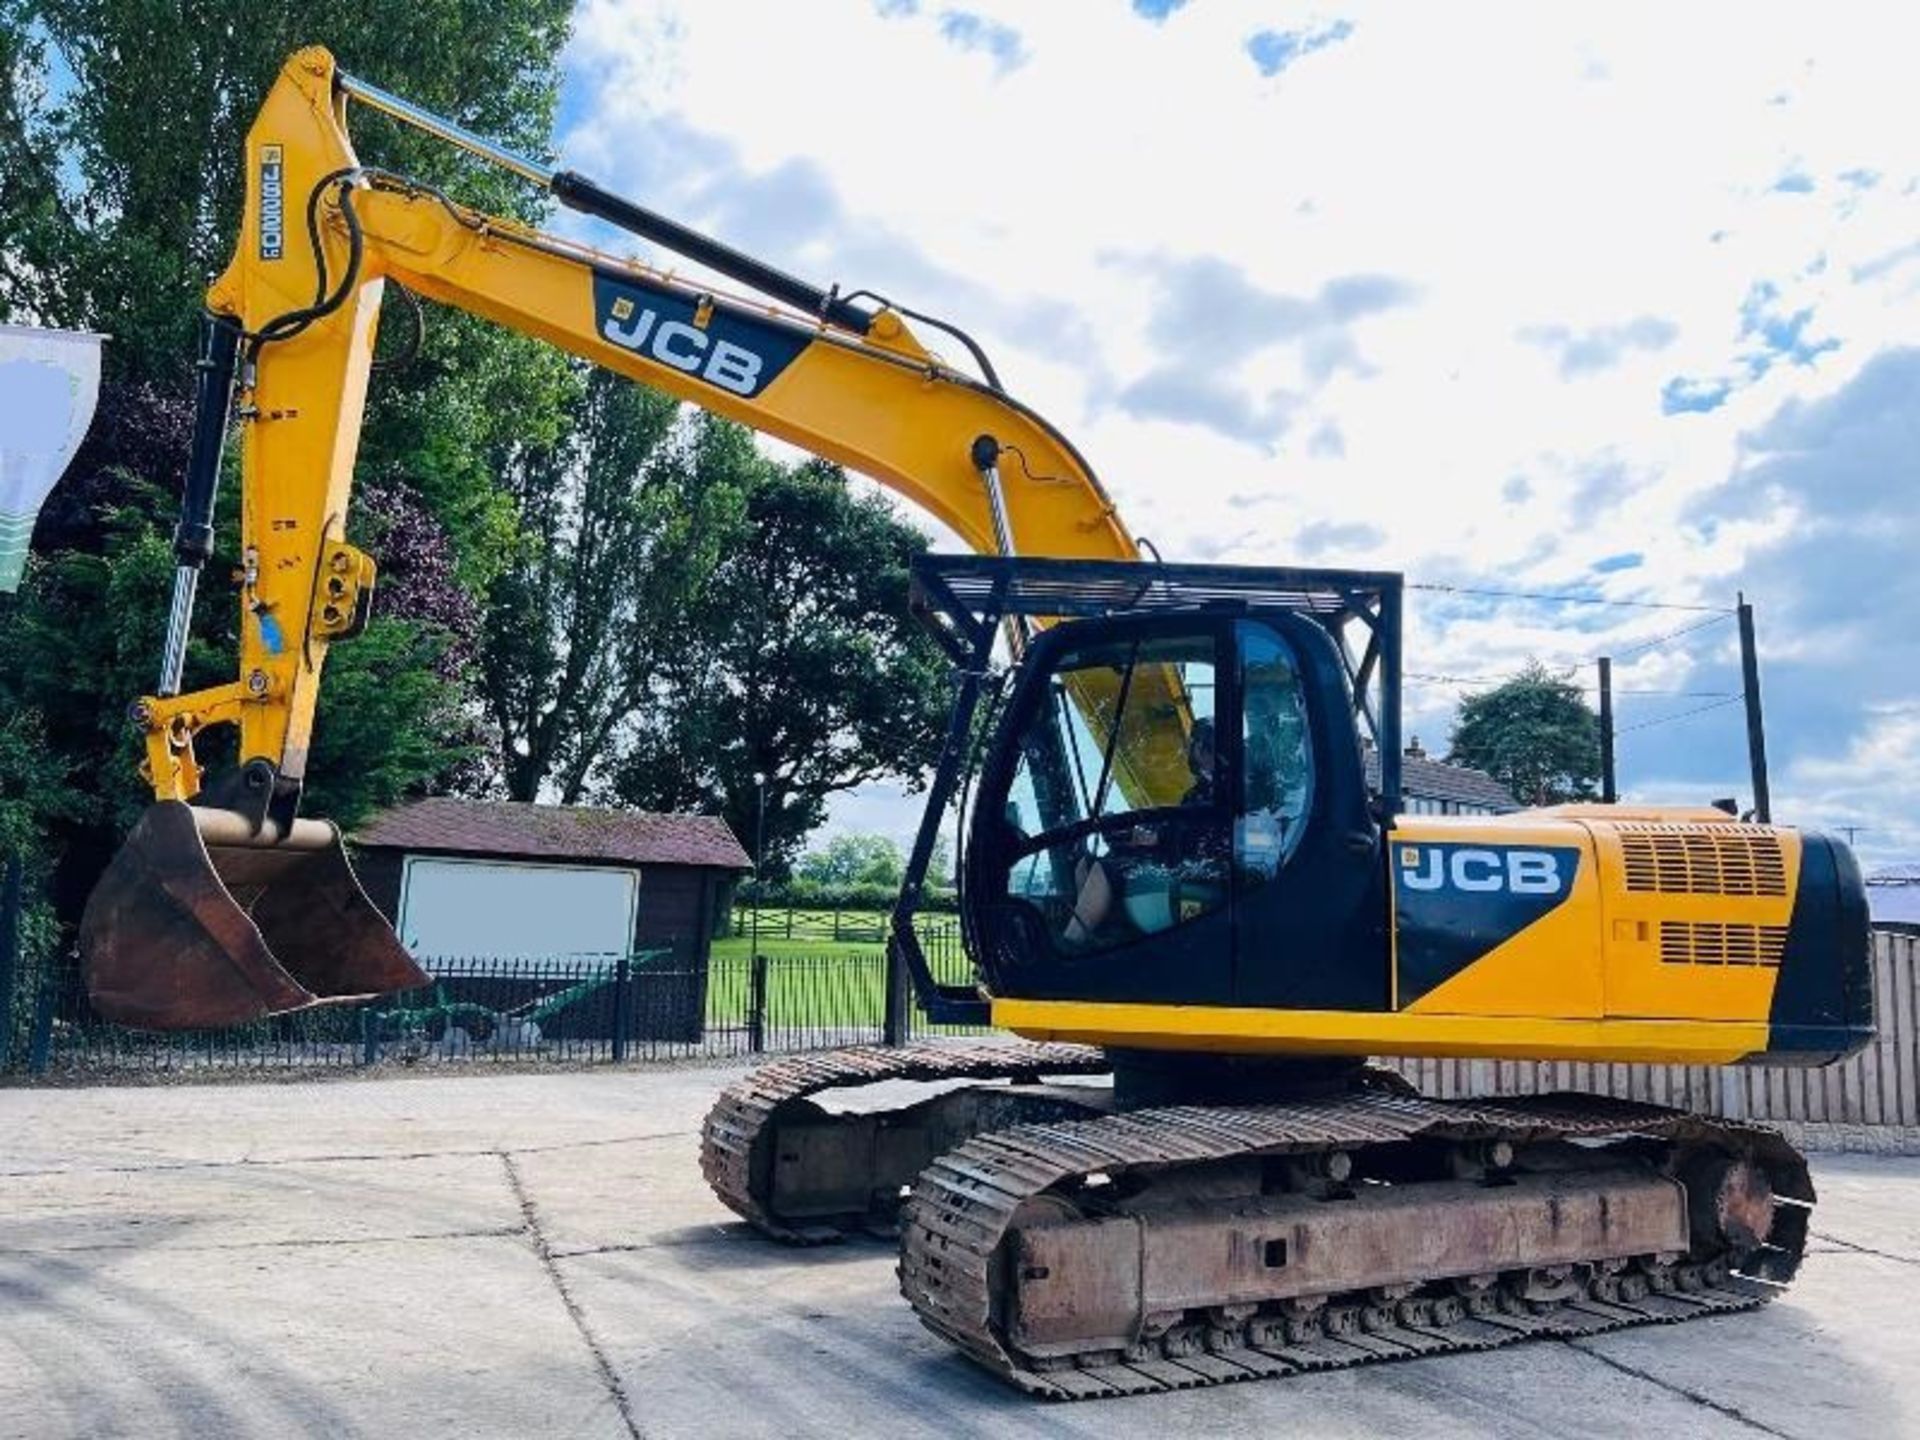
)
(964, 1204)
(737, 1133)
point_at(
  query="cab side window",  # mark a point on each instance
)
(1277, 755)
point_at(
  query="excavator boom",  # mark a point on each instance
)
(222, 907)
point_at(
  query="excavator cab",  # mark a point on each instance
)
(1145, 847)
(1173, 805)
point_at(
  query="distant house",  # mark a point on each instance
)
(1893, 898)
(500, 878)
(1434, 787)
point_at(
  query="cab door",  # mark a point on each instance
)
(1309, 901)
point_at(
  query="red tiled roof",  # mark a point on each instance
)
(554, 832)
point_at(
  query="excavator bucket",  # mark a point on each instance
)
(200, 922)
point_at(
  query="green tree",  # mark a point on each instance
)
(940, 865)
(120, 135)
(853, 860)
(803, 665)
(120, 194)
(1534, 734)
(621, 525)
(120, 185)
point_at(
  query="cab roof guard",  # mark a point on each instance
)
(962, 599)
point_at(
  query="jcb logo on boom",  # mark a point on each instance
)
(730, 349)
(685, 347)
(1475, 869)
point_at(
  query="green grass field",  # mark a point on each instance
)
(813, 981)
(804, 991)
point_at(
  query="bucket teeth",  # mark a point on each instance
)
(193, 926)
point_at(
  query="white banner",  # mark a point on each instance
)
(49, 382)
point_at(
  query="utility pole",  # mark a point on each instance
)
(1756, 730)
(1609, 788)
(759, 855)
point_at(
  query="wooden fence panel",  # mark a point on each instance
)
(1896, 1022)
(1879, 1086)
(1902, 979)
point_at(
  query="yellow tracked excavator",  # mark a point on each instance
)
(1187, 880)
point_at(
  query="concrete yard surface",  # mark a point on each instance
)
(537, 1255)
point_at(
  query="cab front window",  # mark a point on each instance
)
(1117, 806)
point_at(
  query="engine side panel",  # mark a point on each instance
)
(1582, 933)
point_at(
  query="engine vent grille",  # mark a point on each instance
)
(1721, 860)
(1684, 942)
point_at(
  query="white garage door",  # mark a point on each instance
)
(489, 907)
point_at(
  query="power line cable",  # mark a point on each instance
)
(1677, 694)
(1673, 634)
(1565, 599)
(1421, 679)
(1712, 615)
(1683, 715)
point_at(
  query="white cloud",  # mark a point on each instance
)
(1591, 215)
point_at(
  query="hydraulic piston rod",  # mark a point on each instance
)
(577, 192)
(193, 536)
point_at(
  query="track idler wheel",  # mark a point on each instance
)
(1730, 1202)
(200, 922)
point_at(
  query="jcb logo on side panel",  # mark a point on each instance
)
(1478, 870)
(1455, 901)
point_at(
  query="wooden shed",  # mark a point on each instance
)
(495, 878)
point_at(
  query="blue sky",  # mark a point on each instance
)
(1611, 300)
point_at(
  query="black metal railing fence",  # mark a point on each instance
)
(659, 1004)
